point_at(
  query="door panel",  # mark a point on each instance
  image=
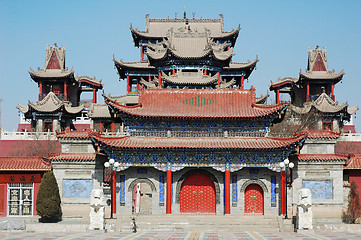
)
(198, 195)
(253, 199)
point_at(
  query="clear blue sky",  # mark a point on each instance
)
(279, 32)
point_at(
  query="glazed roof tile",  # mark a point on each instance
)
(51, 73)
(99, 110)
(194, 103)
(158, 28)
(324, 134)
(90, 80)
(283, 81)
(321, 75)
(185, 78)
(73, 134)
(73, 157)
(197, 143)
(239, 65)
(24, 164)
(354, 162)
(322, 157)
(50, 103)
(323, 104)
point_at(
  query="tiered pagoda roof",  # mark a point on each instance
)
(195, 103)
(321, 158)
(157, 28)
(50, 104)
(73, 157)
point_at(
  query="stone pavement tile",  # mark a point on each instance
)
(340, 235)
(225, 235)
(285, 236)
(161, 235)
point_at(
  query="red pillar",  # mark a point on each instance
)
(94, 95)
(65, 92)
(138, 85)
(277, 96)
(169, 189)
(141, 53)
(128, 84)
(159, 79)
(308, 92)
(40, 89)
(333, 91)
(114, 194)
(227, 193)
(219, 79)
(112, 126)
(205, 71)
(242, 83)
(283, 192)
(149, 77)
(173, 71)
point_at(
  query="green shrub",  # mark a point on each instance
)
(48, 199)
(353, 211)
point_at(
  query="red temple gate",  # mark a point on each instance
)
(198, 195)
(253, 199)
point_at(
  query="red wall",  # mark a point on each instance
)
(355, 176)
(3, 199)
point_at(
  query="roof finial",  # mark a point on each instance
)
(185, 14)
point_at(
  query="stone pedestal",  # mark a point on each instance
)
(97, 210)
(304, 210)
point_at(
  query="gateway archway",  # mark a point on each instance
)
(198, 194)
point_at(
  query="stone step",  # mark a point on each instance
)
(199, 222)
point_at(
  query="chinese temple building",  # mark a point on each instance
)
(196, 133)
(313, 109)
(188, 137)
(59, 94)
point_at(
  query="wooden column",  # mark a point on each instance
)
(308, 92)
(277, 96)
(169, 189)
(283, 192)
(159, 79)
(205, 71)
(138, 85)
(242, 82)
(112, 126)
(219, 79)
(141, 53)
(40, 89)
(65, 92)
(173, 71)
(128, 84)
(227, 193)
(114, 192)
(94, 95)
(333, 91)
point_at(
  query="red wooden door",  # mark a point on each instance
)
(253, 199)
(198, 195)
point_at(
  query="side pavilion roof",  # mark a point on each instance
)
(50, 103)
(246, 144)
(196, 103)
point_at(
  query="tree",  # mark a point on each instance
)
(353, 211)
(48, 199)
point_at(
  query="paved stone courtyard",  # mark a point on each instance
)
(207, 235)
